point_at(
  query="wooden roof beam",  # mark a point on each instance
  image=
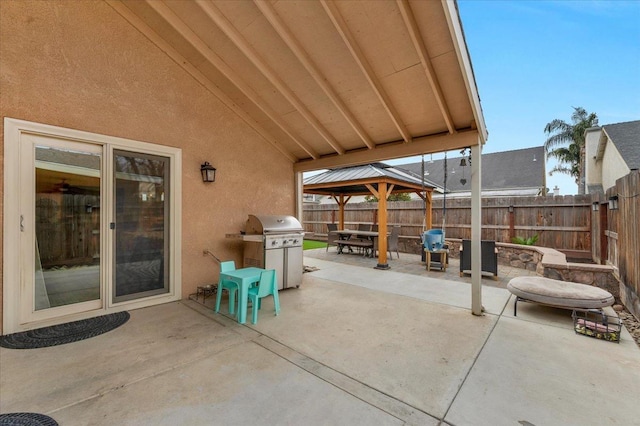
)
(457, 34)
(421, 49)
(357, 54)
(296, 48)
(141, 26)
(212, 11)
(421, 145)
(184, 30)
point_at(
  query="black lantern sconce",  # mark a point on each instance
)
(511, 209)
(208, 172)
(613, 203)
(595, 206)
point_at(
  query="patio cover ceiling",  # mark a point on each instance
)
(328, 84)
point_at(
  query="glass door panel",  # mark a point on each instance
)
(67, 226)
(141, 225)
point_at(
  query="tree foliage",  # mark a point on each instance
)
(565, 142)
(402, 196)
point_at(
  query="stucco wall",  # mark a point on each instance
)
(79, 64)
(593, 169)
(613, 166)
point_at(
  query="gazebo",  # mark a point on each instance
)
(377, 179)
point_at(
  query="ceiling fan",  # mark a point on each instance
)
(62, 186)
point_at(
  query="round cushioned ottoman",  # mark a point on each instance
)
(560, 294)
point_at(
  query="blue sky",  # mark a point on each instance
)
(535, 60)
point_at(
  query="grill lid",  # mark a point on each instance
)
(269, 224)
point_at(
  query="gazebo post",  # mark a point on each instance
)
(341, 212)
(382, 226)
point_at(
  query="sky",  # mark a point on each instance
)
(535, 60)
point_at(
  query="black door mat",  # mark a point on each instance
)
(64, 333)
(26, 419)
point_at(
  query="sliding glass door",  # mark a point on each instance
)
(141, 225)
(91, 225)
(64, 205)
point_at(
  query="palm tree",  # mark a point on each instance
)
(565, 142)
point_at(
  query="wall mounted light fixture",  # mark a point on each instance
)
(595, 206)
(613, 203)
(208, 172)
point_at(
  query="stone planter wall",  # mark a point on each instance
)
(546, 262)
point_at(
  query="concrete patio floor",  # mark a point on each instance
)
(353, 345)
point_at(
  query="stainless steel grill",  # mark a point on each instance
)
(275, 242)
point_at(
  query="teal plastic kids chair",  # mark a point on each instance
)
(230, 286)
(268, 285)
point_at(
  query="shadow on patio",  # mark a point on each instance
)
(352, 345)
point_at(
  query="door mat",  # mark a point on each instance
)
(64, 333)
(26, 419)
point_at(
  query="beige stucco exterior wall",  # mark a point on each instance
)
(613, 166)
(79, 64)
(593, 168)
(606, 170)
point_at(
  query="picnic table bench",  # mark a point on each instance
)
(356, 243)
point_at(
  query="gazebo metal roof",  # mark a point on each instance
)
(354, 180)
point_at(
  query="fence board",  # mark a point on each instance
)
(562, 222)
(624, 222)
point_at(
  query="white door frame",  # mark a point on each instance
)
(16, 133)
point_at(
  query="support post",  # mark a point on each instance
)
(382, 226)
(341, 213)
(476, 230)
(299, 185)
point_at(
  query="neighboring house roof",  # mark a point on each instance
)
(626, 138)
(518, 172)
(353, 180)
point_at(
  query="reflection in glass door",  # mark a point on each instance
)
(141, 225)
(67, 225)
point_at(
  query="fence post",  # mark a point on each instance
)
(512, 223)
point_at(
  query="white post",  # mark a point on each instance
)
(476, 231)
(299, 190)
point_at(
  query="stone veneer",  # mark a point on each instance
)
(545, 261)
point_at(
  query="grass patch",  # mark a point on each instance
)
(310, 244)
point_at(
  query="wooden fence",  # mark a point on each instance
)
(562, 222)
(67, 228)
(617, 234)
